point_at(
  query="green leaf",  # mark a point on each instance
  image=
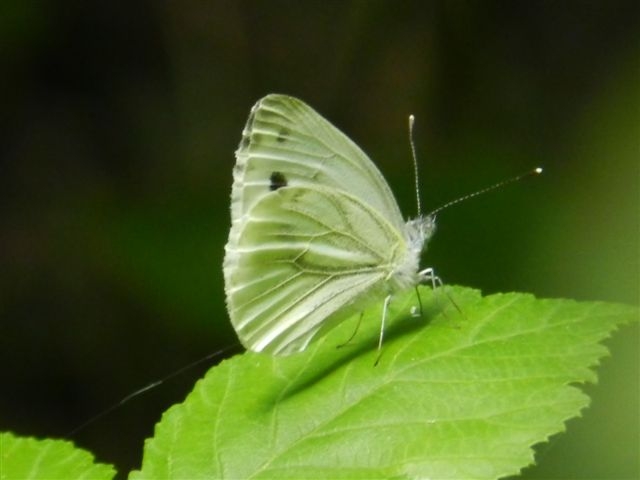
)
(23, 457)
(463, 392)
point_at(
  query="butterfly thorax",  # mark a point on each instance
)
(417, 233)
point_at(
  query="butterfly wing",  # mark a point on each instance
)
(286, 142)
(305, 258)
(298, 257)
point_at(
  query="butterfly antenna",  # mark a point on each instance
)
(530, 173)
(412, 120)
(146, 388)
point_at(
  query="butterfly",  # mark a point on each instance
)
(316, 233)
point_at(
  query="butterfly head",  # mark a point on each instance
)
(418, 231)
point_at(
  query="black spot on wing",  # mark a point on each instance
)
(277, 180)
(283, 135)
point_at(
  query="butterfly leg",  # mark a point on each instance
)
(417, 311)
(428, 275)
(354, 332)
(385, 308)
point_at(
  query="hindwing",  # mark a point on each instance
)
(304, 258)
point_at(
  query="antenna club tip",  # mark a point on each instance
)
(537, 170)
(412, 119)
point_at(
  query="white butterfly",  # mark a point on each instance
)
(316, 233)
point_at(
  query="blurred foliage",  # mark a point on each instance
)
(118, 130)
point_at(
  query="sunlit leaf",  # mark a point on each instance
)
(463, 392)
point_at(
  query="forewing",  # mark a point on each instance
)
(304, 259)
(287, 143)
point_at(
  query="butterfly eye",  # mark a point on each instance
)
(278, 180)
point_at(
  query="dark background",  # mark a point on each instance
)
(118, 127)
